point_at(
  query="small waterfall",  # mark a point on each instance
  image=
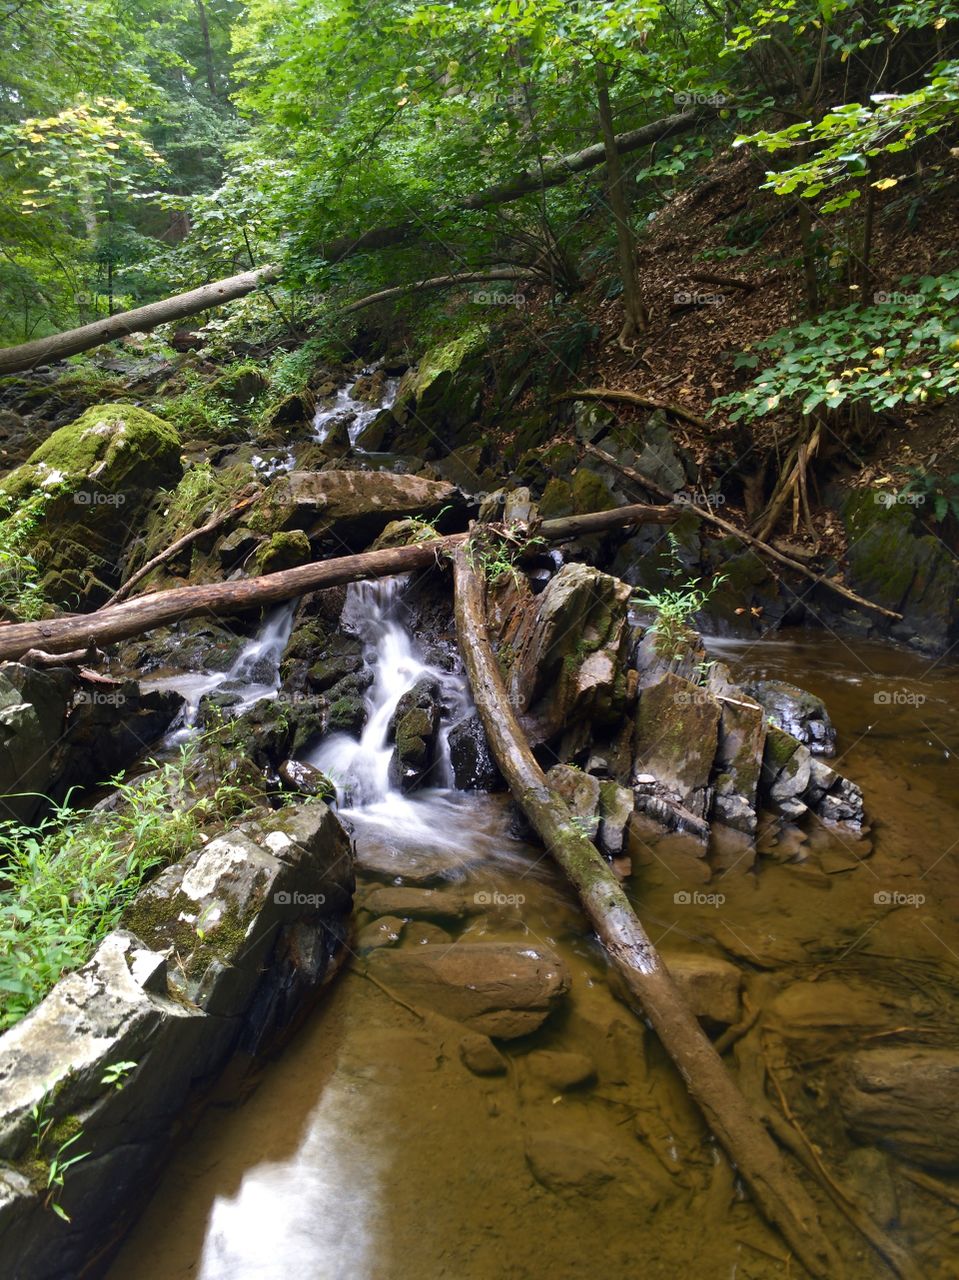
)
(253, 674)
(360, 769)
(360, 412)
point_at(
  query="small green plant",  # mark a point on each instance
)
(20, 590)
(495, 556)
(939, 493)
(674, 607)
(116, 1074)
(56, 1165)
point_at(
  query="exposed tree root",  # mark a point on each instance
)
(711, 518)
(778, 1193)
(631, 397)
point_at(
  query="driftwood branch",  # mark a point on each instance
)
(631, 397)
(162, 608)
(168, 552)
(778, 1194)
(711, 518)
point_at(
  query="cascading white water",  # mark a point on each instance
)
(361, 412)
(253, 674)
(361, 768)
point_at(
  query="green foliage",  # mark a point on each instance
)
(938, 494)
(67, 880)
(848, 141)
(904, 348)
(50, 1152)
(674, 607)
(20, 591)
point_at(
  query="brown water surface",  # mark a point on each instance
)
(367, 1151)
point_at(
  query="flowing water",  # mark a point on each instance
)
(254, 674)
(357, 414)
(369, 1152)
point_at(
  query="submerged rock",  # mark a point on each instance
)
(500, 989)
(479, 1055)
(709, 985)
(904, 1099)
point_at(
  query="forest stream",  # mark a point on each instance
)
(369, 1151)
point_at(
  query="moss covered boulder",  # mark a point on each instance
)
(442, 395)
(87, 488)
(894, 561)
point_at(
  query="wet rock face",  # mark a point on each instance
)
(413, 728)
(474, 768)
(58, 731)
(499, 989)
(897, 563)
(216, 954)
(904, 1099)
(799, 713)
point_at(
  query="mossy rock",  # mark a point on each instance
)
(283, 550)
(241, 383)
(590, 492)
(87, 488)
(557, 500)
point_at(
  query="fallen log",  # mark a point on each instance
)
(779, 1195)
(133, 617)
(29, 355)
(631, 397)
(711, 518)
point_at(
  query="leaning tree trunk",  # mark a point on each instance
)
(133, 617)
(777, 1192)
(45, 350)
(636, 318)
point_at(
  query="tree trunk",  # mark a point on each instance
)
(132, 617)
(443, 282)
(636, 319)
(778, 1194)
(207, 48)
(45, 350)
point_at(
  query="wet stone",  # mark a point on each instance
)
(561, 1071)
(382, 860)
(479, 1055)
(420, 904)
(384, 932)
